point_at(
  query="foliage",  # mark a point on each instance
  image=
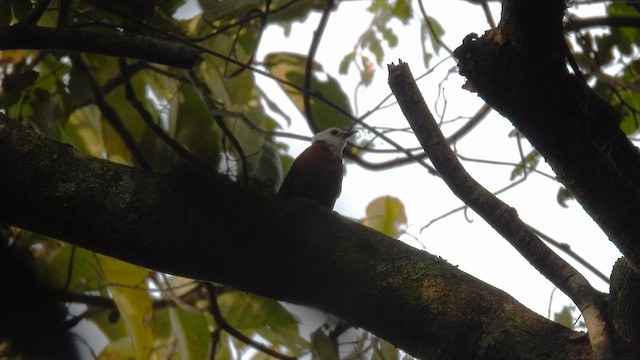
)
(217, 117)
(166, 119)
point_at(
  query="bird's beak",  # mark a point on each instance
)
(350, 133)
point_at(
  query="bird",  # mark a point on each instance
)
(317, 172)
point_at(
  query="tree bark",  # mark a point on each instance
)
(209, 228)
(136, 47)
(519, 69)
(623, 305)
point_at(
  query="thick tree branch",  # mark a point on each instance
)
(136, 47)
(499, 215)
(625, 295)
(520, 71)
(212, 229)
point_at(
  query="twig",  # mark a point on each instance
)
(205, 93)
(263, 23)
(465, 207)
(495, 162)
(222, 323)
(567, 250)
(435, 36)
(110, 114)
(499, 215)
(308, 68)
(146, 117)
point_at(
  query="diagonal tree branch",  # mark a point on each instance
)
(499, 215)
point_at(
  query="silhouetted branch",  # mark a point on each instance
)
(223, 324)
(499, 215)
(111, 44)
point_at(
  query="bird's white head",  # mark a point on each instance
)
(335, 138)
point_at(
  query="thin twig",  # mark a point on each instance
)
(465, 207)
(205, 94)
(110, 114)
(223, 324)
(567, 250)
(494, 162)
(434, 36)
(147, 118)
(308, 68)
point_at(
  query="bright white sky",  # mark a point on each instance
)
(473, 246)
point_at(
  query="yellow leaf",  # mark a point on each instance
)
(386, 214)
(127, 284)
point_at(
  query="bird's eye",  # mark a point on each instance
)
(334, 132)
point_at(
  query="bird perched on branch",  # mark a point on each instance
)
(317, 173)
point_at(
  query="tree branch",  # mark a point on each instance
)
(294, 251)
(499, 215)
(137, 47)
(575, 130)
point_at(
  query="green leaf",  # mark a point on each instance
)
(191, 332)
(431, 32)
(55, 261)
(565, 317)
(346, 62)
(119, 349)
(390, 37)
(367, 72)
(82, 131)
(291, 67)
(290, 12)
(286, 162)
(274, 106)
(527, 164)
(194, 127)
(629, 123)
(563, 196)
(267, 164)
(403, 11)
(386, 214)
(285, 336)
(227, 9)
(79, 87)
(322, 346)
(621, 9)
(248, 311)
(108, 321)
(383, 350)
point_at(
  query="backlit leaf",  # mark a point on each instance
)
(386, 214)
(291, 67)
(127, 284)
